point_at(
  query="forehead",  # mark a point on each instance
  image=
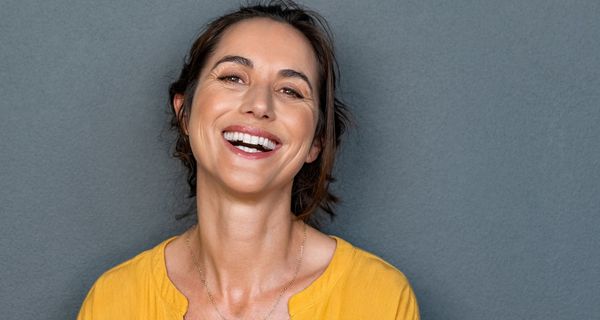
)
(269, 44)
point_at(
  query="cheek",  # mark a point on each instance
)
(207, 106)
(304, 125)
(312, 118)
(205, 111)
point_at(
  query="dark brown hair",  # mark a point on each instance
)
(310, 189)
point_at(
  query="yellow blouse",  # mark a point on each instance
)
(355, 285)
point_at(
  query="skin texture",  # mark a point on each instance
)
(248, 240)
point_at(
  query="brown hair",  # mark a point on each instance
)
(310, 189)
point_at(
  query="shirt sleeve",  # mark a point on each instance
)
(408, 308)
(104, 301)
(87, 308)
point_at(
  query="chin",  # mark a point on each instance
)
(247, 184)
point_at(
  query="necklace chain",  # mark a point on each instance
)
(211, 297)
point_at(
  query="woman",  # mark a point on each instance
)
(258, 126)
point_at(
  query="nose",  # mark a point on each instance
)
(258, 102)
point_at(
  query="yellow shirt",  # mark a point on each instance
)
(355, 285)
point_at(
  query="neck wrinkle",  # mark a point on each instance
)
(245, 246)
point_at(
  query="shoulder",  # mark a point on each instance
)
(127, 274)
(372, 280)
(371, 270)
(117, 289)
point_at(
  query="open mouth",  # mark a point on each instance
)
(249, 143)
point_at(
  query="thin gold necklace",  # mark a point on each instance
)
(211, 297)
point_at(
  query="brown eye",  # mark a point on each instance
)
(231, 78)
(291, 92)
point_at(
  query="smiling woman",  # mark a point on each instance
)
(258, 127)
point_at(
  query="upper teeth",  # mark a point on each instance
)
(249, 139)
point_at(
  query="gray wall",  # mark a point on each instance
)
(474, 166)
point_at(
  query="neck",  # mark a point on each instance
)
(246, 245)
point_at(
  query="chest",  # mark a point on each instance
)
(200, 307)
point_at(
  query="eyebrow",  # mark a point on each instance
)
(289, 73)
(286, 73)
(237, 59)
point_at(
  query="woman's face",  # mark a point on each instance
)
(255, 108)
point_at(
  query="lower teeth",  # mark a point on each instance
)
(247, 149)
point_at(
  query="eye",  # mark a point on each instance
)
(292, 93)
(231, 78)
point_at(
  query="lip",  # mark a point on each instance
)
(255, 132)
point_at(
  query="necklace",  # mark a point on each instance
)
(211, 297)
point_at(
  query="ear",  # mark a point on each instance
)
(178, 102)
(315, 149)
(178, 106)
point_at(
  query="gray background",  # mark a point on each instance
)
(474, 167)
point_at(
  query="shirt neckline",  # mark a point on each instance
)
(300, 301)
